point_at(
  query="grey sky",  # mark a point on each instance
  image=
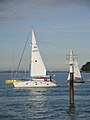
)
(59, 24)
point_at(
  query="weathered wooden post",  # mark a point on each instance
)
(71, 86)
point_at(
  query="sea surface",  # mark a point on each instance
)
(44, 103)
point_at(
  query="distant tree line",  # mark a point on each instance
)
(86, 67)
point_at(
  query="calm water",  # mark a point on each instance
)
(44, 103)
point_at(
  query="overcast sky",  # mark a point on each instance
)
(60, 25)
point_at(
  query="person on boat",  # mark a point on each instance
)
(50, 78)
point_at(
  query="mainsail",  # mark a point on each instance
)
(37, 65)
(73, 60)
(77, 73)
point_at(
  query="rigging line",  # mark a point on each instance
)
(23, 52)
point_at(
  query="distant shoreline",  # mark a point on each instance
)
(85, 71)
(9, 71)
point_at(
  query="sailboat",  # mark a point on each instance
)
(77, 75)
(38, 77)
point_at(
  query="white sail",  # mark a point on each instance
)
(77, 73)
(73, 60)
(37, 65)
(76, 70)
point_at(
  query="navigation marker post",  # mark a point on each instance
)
(71, 61)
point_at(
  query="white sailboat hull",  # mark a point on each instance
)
(34, 83)
(79, 81)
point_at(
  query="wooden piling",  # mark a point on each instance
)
(71, 90)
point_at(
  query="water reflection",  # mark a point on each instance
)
(72, 113)
(36, 103)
